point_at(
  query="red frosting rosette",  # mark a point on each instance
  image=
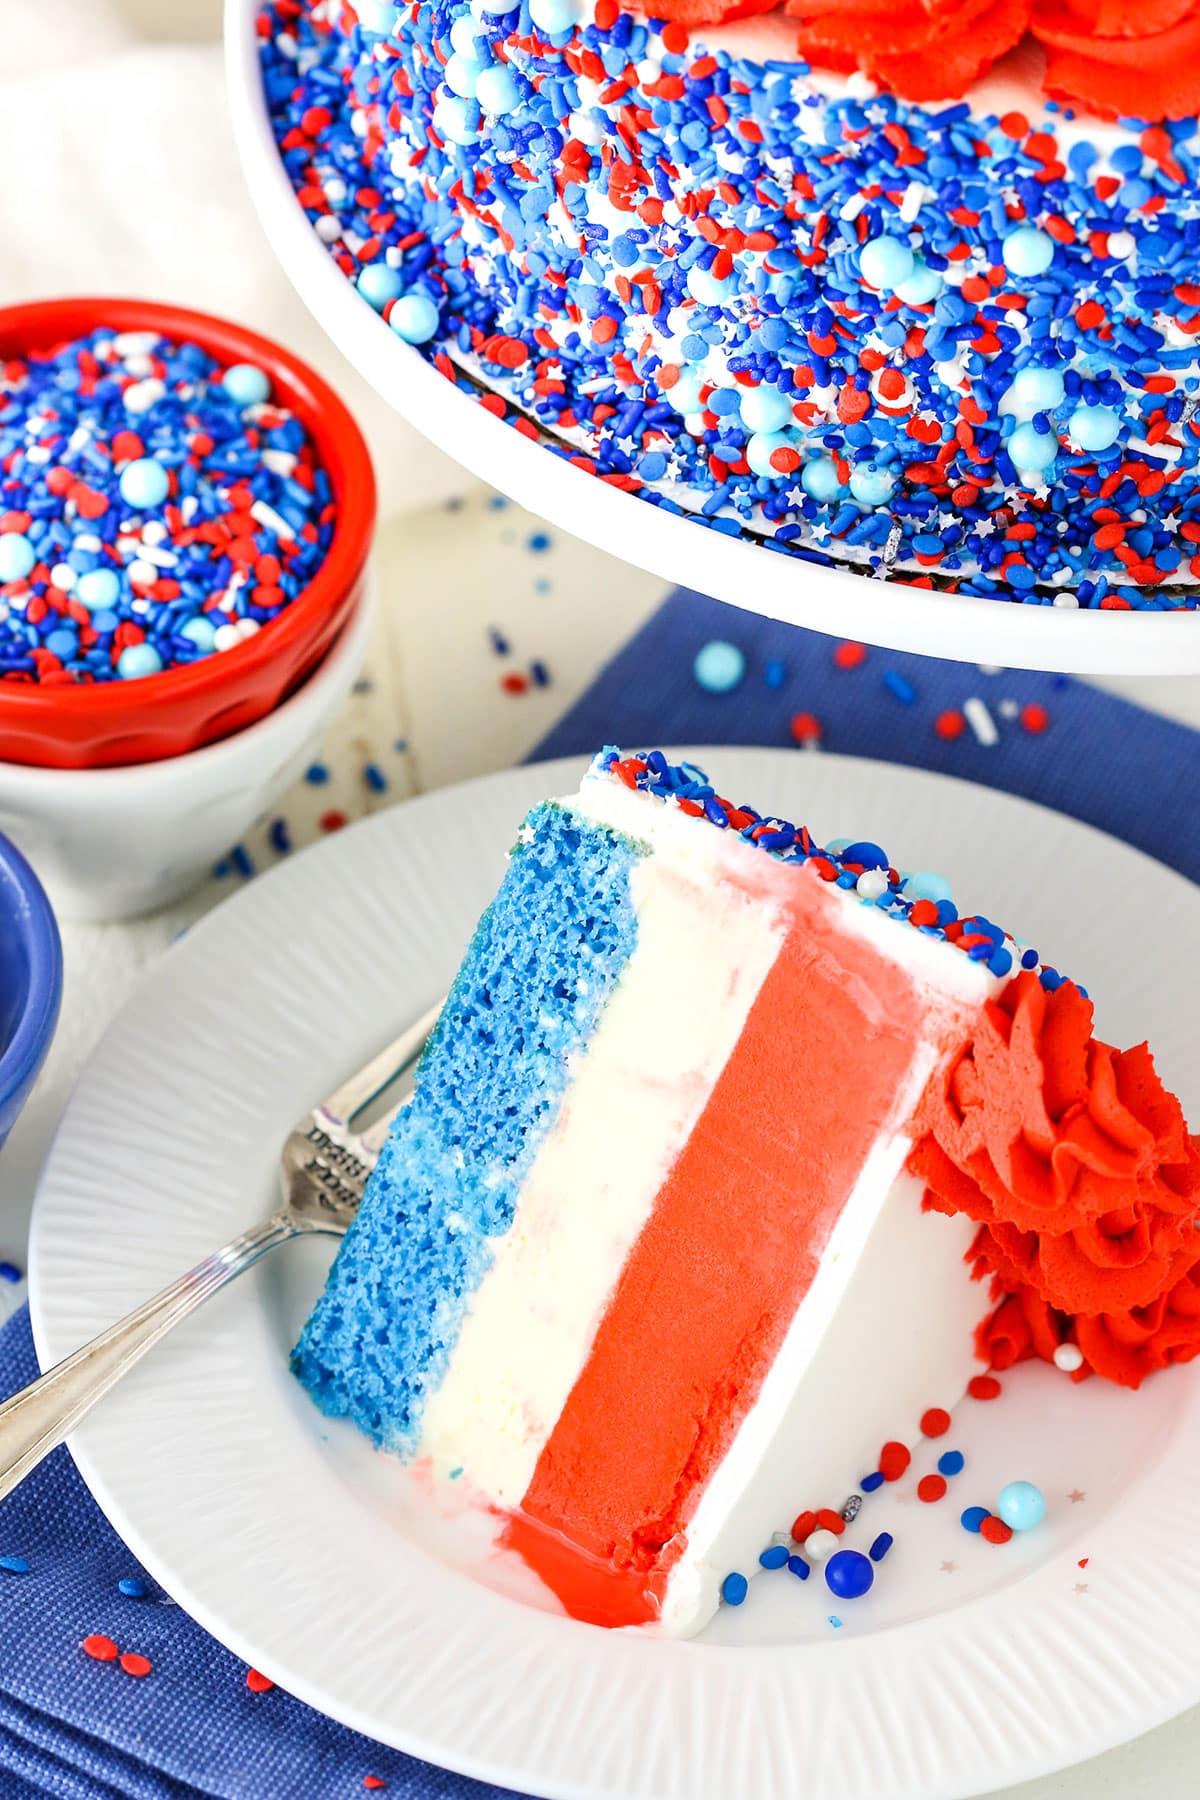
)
(1116, 57)
(923, 51)
(1078, 1167)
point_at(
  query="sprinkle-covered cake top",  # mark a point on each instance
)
(920, 899)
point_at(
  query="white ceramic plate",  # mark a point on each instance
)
(970, 628)
(317, 1561)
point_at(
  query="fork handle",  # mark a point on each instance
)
(39, 1417)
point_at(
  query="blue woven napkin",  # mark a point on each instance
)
(76, 1729)
(1101, 759)
(72, 1728)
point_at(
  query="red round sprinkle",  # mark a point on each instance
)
(802, 1524)
(1014, 125)
(850, 655)
(806, 727)
(1034, 717)
(923, 912)
(99, 1646)
(258, 1684)
(983, 1387)
(674, 38)
(894, 1458)
(935, 1422)
(831, 1521)
(374, 1781)
(333, 820)
(133, 1664)
(950, 724)
(514, 682)
(995, 1530)
(931, 1487)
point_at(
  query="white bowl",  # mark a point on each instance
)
(744, 573)
(111, 843)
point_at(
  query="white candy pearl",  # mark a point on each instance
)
(1068, 1358)
(871, 883)
(819, 1544)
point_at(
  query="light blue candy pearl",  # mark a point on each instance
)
(201, 632)
(144, 483)
(465, 34)
(97, 589)
(17, 556)
(414, 318)
(924, 884)
(493, 9)
(762, 447)
(685, 395)
(137, 660)
(1028, 251)
(1039, 390)
(922, 286)
(452, 119)
(820, 479)
(553, 16)
(461, 75)
(765, 409)
(247, 384)
(376, 15)
(886, 262)
(872, 487)
(497, 91)
(719, 666)
(1021, 1505)
(1030, 449)
(379, 282)
(705, 287)
(1094, 427)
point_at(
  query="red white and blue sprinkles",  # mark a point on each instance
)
(156, 507)
(953, 345)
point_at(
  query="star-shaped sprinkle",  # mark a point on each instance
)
(949, 1568)
(1075, 1495)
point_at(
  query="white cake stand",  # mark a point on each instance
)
(678, 549)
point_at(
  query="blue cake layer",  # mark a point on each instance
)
(539, 969)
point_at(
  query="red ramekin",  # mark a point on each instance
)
(101, 724)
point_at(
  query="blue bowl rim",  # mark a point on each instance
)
(22, 1056)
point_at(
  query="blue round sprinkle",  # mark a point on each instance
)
(144, 483)
(869, 855)
(951, 1462)
(1021, 1505)
(848, 1574)
(774, 672)
(881, 1546)
(719, 667)
(886, 262)
(15, 1565)
(17, 556)
(775, 1557)
(973, 1518)
(1027, 251)
(378, 283)
(98, 589)
(137, 660)
(246, 384)
(132, 1587)
(415, 318)
(733, 1589)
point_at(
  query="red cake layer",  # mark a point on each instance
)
(713, 1282)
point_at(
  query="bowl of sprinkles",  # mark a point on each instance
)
(186, 512)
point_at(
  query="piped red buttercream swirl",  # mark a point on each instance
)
(1079, 1169)
(1112, 57)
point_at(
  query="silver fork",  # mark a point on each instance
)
(324, 1167)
